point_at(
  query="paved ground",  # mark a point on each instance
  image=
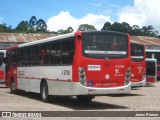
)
(141, 99)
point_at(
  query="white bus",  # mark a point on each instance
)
(154, 54)
(151, 70)
(81, 64)
(2, 65)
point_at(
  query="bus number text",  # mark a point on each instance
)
(65, 72)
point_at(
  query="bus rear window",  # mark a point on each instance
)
(101, 45)
(1, 58)
(150, 68)
(137, 52)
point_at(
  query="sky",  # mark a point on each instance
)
(61, 14)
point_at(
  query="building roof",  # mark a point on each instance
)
(23, 38)
(147, 41)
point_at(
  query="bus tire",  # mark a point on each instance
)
(44, 92)
(83, 98)
(13, 87)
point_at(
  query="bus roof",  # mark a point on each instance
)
(47, 40)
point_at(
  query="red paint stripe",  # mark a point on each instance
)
(46, 79)
(12, 47)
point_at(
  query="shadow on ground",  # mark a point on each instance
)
(72, 103)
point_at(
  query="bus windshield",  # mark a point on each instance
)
(137, 52)
(1, 58)
(101, 45)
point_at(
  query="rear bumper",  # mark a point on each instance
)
(81, 90)
(1, 81)
(139, 84)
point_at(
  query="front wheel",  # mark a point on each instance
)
(13, 87)
(44, 92)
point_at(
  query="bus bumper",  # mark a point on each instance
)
(81, 90)
(139, 84)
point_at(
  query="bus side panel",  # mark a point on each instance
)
(28, 79)
(59, 79)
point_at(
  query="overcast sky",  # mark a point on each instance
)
(61, 14)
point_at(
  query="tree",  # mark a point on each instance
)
(86, 27)
(32, 22)
(132, 30)
(22, 26)
(4, 28)
(125, 27)
(68, 30)
(41, 26)
(107, 26)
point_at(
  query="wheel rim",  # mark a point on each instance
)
(44, 92)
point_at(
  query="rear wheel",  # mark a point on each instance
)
(13, 87)
(44, 92)
(82, 98)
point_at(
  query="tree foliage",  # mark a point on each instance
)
(132, 30)
(22, 26)
(41, 26)
(31, 26)
(35, 25)
(86, 27)
(68, 30)
(4, 28)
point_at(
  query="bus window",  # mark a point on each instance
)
(137, 52)
(36, 59)
(45, 54)
(67, 51)
(55, 57)
(101, 46)
(1, 58)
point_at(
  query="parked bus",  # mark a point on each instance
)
(138, 65)
(2, 65)
(151, 70)
(154, 54)
(81, 64)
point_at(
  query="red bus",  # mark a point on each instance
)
(81, 64)
(2, 65)
(138, 65)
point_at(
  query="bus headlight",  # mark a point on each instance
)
(127, 76)
(82, 76)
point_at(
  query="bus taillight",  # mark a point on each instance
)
(82, 76)
(127, 77)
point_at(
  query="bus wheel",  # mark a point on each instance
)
(82, 98)
(44, 92)
(13, 87)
